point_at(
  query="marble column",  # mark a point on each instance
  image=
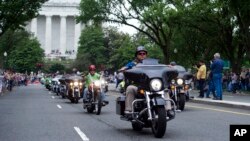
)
(34, 26)
(48, 34)
(63, 34)
(76, 37)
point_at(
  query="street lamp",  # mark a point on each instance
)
(175, 50)
(5, 54)
(5, 59)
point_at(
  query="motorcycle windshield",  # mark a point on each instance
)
(148, 70)
(73, 78)
(183, 73)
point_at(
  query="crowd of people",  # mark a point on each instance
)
(9, 79)
(213, 79)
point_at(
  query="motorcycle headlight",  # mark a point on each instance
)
(76, 83)
(103, 82)
(58, 83)
(179, 81)
(81, 83)
(97, 83)
(156, 84)
(71, 84)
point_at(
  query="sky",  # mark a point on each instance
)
(127, 29)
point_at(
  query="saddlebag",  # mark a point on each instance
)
(120, 105)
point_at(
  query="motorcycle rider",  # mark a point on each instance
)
(92, 76)
(140, 55)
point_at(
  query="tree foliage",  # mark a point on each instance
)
(57, 67)
(91, 47)
(14, 13)
(154, 18)
(117, 48)
(223, 28)
(24, 52)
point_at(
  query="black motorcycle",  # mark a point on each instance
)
(180, 87)
(63, 86)
(152, 107)
(93, 97)
(74, 88)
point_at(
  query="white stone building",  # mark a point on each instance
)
(56, 28)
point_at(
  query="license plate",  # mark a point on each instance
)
(76, 90)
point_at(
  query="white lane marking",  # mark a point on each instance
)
(53, 97)
(59, 106)
(82, 135)
(219, 110)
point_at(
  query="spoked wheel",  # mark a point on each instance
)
(159, 122)
(99, 105)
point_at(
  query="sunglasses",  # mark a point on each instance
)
(142, 53)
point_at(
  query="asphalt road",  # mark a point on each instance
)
(33, 113)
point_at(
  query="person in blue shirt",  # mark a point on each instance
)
(140, 55)
(216, 68)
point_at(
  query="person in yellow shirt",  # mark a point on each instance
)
(201, 77)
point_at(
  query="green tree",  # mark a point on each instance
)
(222, 25)
(25, 52)
(57, 67)
(154, 17)
(14, 13)
(91, 47)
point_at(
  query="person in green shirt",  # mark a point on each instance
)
(92, 76)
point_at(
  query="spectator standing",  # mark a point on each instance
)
(217, 67)
(248, 79)
(1, 81)
(201, 77)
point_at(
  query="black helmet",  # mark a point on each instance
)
(140, 48)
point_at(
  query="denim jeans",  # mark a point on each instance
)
(211, 88)
(217, 79)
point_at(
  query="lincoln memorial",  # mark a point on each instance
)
(56, 28)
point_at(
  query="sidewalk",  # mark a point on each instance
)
(229, 100)
(241, 100)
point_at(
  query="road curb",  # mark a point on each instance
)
(222, 103)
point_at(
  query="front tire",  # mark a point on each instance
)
(91, 108)
(99, 105)
(159, 122)
(182, 101)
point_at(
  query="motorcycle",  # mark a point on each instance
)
(48, 83)
(56, 84)
(152, 107)
(74, 88)
(62, 86)
(180, 87)
(94, 96)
